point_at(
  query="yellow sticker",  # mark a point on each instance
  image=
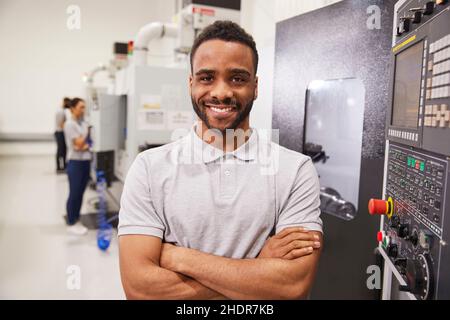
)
(404, 43)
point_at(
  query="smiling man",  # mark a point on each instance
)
(203, 217)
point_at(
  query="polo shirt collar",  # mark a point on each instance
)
(209, 153)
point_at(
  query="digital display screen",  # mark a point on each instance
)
(408, 76)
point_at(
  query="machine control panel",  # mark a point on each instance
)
(415, 209)
(416, 181)
(414, 231)
(416, 13)
(419, 115)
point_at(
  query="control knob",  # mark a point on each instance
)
(428, 8)
(404, 26)
(419, 277)
(417, 18)
(392, 250)
(403, 230)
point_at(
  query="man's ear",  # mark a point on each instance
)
(190, 84)
(256, 88)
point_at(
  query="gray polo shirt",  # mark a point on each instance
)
(74, 129)
(194, 195)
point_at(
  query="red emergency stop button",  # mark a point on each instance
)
(380, 207)
(377, 206)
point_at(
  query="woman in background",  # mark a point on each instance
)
(61, 149)
(76, 131)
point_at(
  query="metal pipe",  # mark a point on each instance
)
(153, 30)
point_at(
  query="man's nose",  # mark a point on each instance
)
(221, 91)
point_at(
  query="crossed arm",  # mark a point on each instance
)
(80, 144)
(285, 269)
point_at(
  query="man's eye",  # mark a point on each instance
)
(206, 79)
(238, 79)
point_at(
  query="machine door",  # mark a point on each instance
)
(333, 139)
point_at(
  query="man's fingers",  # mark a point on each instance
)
(298, 244)
(287, 231)
(298, 253)
(304, 236)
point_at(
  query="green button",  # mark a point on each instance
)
(422, 166)
(409, 161)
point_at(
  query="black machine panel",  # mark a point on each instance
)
(309, 49)
(414, 236)
(415, 230)
(420, 113)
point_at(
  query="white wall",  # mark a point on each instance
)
(259, 17)
(43, 61)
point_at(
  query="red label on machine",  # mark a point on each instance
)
(203, 11)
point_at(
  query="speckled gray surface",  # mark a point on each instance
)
(330, 43)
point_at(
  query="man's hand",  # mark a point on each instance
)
(291, 243)
(269, 278)
(168, 260)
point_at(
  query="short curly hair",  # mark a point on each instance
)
(226, 31)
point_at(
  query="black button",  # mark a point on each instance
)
(403, 26)
(437, 205)
(428, 8)
(417, 17)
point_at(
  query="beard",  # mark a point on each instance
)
(242, 112)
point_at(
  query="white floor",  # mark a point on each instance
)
(36, 254)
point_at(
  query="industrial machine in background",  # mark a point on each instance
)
(106, 112)
(147, 102)
(118, 62)
(330, 98)
(415, 222)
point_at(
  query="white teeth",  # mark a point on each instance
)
(221, 110)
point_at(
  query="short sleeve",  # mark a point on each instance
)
(302, 207)
(137, 214)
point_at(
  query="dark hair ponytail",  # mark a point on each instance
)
(73, 103)
(66, 103)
